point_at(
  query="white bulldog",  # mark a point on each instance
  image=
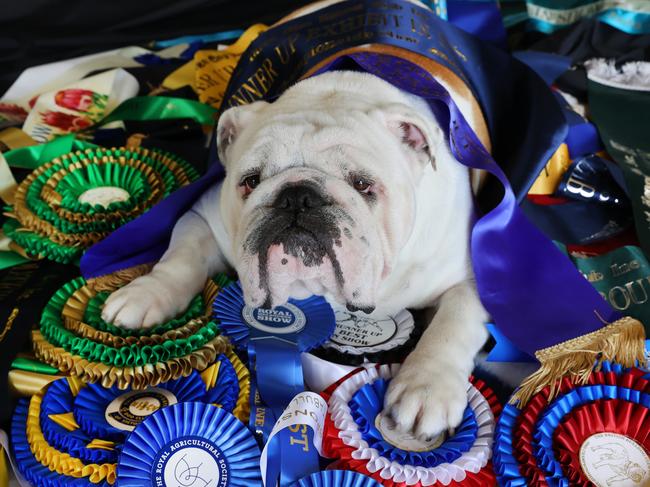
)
(344, 187)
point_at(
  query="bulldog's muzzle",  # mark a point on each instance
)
(303, 222)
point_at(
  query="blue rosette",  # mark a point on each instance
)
(368, 402)
(58, 401)
(112, 413)
(308, 323)
(336, 478)
(190, 443)
(32, 470)
(225, 390)
(274, 340)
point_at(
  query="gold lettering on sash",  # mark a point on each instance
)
(252, 88)
(640, 284)
(624, 268)
(631, 293)
(594, 276)
(16, 278)
(348, 25)
(284, 52)
(9, 323)
(260, 416)
(301, 429)
(614, 296)
(256, 86)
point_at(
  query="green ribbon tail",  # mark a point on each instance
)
(31, 365)
(33, 156)
(143, 108)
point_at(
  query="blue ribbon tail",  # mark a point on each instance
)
(547, 65)
(279, 377)
(505, 350)
(291, 453)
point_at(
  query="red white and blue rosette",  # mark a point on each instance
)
(595, 433)
(336, 478)
(187, 444)
(362, 439)
(112, 413)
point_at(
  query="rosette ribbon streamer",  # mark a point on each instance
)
(274, 339)
(532, 291)
(290, 437)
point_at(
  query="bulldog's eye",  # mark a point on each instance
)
(361, 184)
(249, 183)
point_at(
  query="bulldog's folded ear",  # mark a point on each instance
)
(417, 133)
(231, 123)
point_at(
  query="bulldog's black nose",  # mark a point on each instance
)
(298, 198)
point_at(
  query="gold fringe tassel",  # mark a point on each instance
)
(117, 279)
(622, 341)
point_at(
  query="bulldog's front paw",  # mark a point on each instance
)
(142, 303)
(426, 399)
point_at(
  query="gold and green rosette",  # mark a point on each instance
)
(75, 339)
(75, 200)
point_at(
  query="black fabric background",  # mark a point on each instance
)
(34, 32)
(589, 39)
(24, 291)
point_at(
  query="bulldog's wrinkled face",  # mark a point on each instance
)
(319, 193)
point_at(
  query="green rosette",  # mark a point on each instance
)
(35, 246)
(93, 317)
(76, 200)
(136, 353)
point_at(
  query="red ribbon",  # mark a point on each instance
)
(526, 424)
(603, 416)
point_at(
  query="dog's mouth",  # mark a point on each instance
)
(304, 244)
(306, 241)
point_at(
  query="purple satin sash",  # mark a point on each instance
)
(534, 293)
